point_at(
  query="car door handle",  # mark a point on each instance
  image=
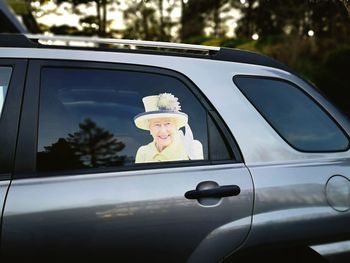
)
(220, 191)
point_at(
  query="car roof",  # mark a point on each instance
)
(145, 47)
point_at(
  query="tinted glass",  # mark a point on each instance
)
(88, 119)
(219, 147)
(5, 75)
(293, 114)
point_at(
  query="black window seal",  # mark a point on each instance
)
(26, 166)
(304, 92)
(127, 168)
(10, 117)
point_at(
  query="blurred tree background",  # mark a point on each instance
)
(310, 36)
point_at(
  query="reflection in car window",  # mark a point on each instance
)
(90, 118)
(5, 75)
(293, 114)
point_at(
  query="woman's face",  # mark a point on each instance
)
(163, 131)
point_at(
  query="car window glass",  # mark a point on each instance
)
(293, 114)
(218, 145)
(92, 118)
(5, 75)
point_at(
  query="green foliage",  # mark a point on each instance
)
(249, 45)
(100, 19)
(271, 40)
(223, 42)
(333, 77)
(198, 40)
(234, 42)
(213, 42)
(148, 20)
(18, 6)
(64, 30)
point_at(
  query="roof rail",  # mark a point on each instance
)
(135, 43)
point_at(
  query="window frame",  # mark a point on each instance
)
(9, 120)
(2, 94)
(28, 136)
(307, 92)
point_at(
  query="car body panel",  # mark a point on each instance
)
(124, 210)
(291, 202)
(3, 191)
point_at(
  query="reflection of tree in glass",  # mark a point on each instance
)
(90, 147)
(58, 156)
(95, 146)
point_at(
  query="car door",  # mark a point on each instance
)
(302, 185)
(12, 74)
(78, 193)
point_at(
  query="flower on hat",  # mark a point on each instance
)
(167, 101)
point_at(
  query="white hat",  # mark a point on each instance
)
(164, 105)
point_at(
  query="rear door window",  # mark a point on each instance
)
(100, 118)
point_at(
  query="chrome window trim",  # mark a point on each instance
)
(162, 171)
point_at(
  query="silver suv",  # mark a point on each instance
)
(159, 152)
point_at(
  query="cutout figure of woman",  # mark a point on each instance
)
(163, 118)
